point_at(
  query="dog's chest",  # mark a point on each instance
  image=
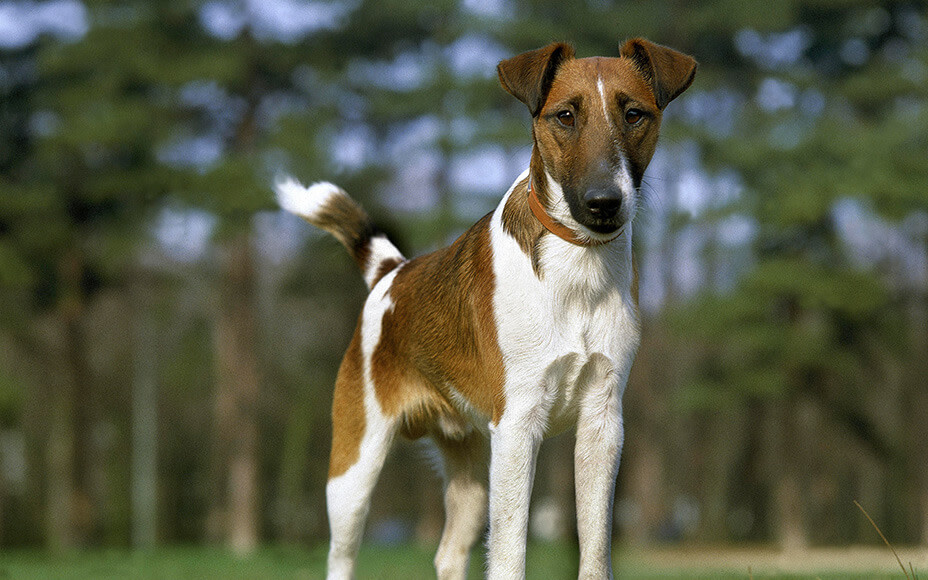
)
(565, 329)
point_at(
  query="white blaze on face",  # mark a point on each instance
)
(602, 97)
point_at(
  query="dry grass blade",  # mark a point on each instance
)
(893, 550)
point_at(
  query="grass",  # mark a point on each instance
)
(545, 561)
(911, 569)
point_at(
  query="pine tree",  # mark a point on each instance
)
(807, 326)
(80, 178)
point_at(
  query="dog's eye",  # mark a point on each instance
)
(566, 118)
(633, 116)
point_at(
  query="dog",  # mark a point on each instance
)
(524, 326)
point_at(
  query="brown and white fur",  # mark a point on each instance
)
(511, 333)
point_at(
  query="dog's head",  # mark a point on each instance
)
(595, 123)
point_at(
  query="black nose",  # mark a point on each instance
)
(603, 203)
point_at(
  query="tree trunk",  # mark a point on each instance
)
(789, 519)
(918, 418)
(69, 512)
(237, 396)
(725, 440)
(918, 387)
(59, 466)
(144, 468)
(644, 471)
(291, 505)
(924, 512)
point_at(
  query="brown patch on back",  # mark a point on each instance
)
(441, 335)
(348, 417)
(385, 267)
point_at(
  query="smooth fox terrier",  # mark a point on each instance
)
(524, 326)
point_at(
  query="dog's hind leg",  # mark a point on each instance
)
(348, 498)
(466, 479)
(361, 438)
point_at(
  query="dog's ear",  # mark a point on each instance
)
(528, 76)
(669, 72)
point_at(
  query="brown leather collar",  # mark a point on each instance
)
(556, 227)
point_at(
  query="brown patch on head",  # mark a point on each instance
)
(528, 76)
(595, 115)
(669, 72)
(348, 416)
(600, 94)
(439, 340)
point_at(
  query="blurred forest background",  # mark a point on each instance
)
(169, 339)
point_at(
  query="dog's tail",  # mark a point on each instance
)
(329, 207)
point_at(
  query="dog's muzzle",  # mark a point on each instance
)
(603, 206)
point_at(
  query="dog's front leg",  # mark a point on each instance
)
(514, 446)
(596, 464)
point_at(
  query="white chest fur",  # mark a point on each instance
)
(560, 331)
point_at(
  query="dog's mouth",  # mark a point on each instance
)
(603, 227)
(600, 220)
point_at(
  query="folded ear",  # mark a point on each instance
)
(528, 76)
(669, 72)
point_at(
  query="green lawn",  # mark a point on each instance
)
(546, 562)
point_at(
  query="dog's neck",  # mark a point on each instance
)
(548, 253)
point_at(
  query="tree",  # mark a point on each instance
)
(83, 131)
(796, 352)
(808, 325)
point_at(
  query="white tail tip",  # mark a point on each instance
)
(304, 201)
